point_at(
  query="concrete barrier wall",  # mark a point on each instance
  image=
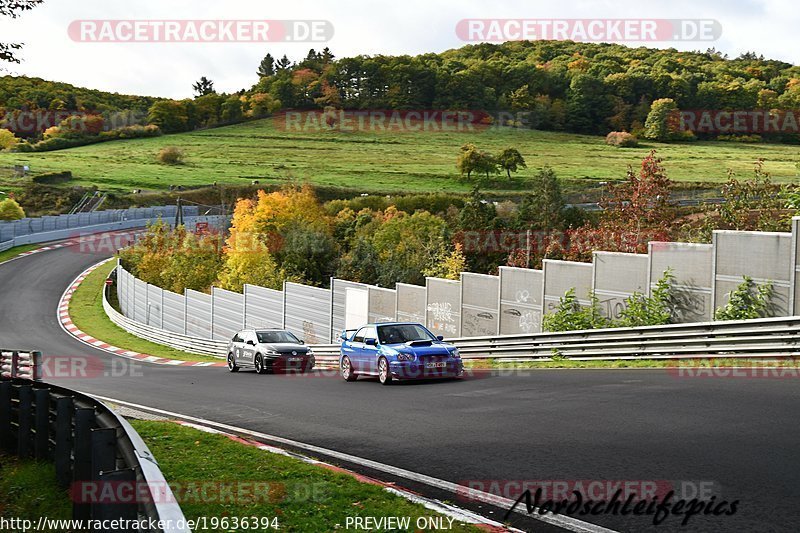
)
(263, 307)
(617, 276)
(410, 303)
(382, 304)
(155, 306)
(443, 307)
(198, 314)
(796, 267)
(559, 277)
(307, 312)
(480, 305)
(764, 256)
(228, 313)
(693, 268)
(359, 306)
(174, 312)
(520, 300)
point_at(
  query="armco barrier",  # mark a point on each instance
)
(87, 442)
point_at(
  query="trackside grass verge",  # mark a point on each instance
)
(218, 477)
(87, 313)
(635, 363)
(15, 251)
(28, 490)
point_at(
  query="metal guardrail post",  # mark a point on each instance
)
(14, 363)
(104, 459)
(5, 414)
(36, 366)
(63, 449)
(24, 421)
(116, 511)
(82, 462)
(41, 424)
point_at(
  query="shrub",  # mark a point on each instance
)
(655, 310)
(52, 178)
(747, 301)
(171, 155)
(570, 315)
(7, 139)
(10, 210)
(622, 139)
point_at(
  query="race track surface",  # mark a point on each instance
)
(739, 436)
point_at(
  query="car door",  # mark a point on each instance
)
(369, 351)
(354, 349)
(237, 343)
(249, 348)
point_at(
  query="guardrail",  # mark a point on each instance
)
(21, 364)
(759, 338)
(88, 442)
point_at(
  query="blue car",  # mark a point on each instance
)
(394, 351)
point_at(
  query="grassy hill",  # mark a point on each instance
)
(383, 162)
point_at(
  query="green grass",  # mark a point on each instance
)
(15, 251)
(303, 497)
(381, 162)
(86, 311)
(28, 490)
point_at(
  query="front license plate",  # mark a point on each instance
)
(294, 359)
(435, 365)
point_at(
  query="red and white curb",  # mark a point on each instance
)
(67, 325)
(451, 511)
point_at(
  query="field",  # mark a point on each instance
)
(381, 162)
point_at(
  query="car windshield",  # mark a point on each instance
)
(401, 333)
(276, 337)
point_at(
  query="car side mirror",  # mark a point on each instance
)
(342, 337)
(439, 337)
(251, 343)
(301, 341)
(371, 342)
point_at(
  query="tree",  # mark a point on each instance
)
(309, 253)
(542, 207)
(7, 139)
(267, 67)
(11, 210)
(511, 160)
(169, 115)
(570, 315)
(283, 64)
(13, 9)
(448, 264)
(203, 86)
(231, 110)
(662, 122)
(470, 160)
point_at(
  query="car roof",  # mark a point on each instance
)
(377, 324)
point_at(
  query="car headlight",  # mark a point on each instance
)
(454, 353)
(405, 357)
(271, 352)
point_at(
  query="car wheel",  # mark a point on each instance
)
(232, 363)
(259, 364)
(384, 375)
(346, 368)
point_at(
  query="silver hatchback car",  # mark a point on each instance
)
(267, 350)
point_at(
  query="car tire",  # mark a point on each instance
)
(258, 363)
(232, 364)
(346, 369)
(384, 374)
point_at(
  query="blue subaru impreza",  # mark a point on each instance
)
(395, 351)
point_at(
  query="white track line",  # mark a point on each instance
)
(565, 522)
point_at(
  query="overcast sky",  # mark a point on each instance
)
(768, 27)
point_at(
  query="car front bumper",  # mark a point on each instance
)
(420, 370)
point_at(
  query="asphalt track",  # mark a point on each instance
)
(738, 435)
